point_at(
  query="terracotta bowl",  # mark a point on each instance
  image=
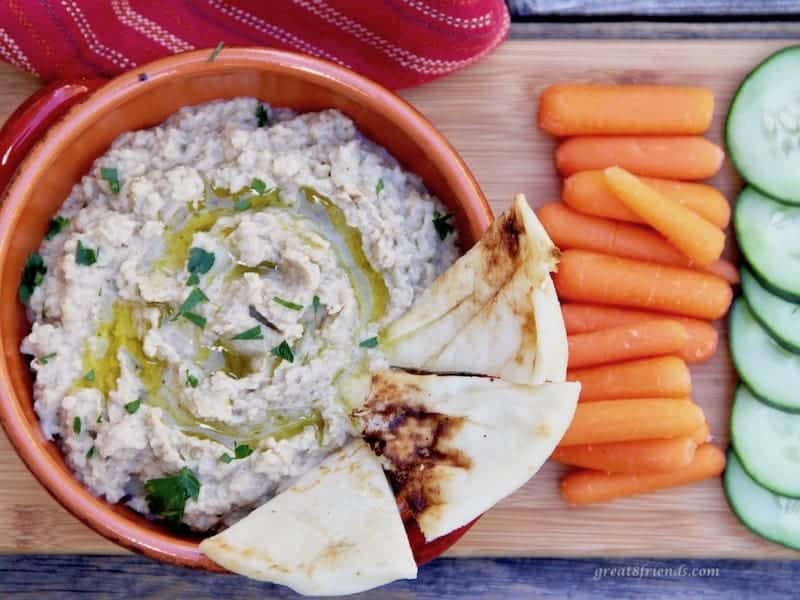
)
(144, 98)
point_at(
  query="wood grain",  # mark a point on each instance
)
(89, 577)
(487, 111)
(679, 8)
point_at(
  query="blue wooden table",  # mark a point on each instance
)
(66, 576)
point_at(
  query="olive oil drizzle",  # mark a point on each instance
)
(121, 331)
(360, 268)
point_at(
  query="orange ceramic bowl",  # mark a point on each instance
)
(144, 98)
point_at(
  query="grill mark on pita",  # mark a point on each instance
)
(502, 245)
(410, 439)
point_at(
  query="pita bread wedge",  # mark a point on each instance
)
(494, 312)
(454, 446)
(336, 531)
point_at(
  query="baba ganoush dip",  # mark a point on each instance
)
(203, 289)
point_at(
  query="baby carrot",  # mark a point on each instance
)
(569, 229)
(608, 109)
(596, 278)
(583, 318)
(663, 377)
(672, 157)
(609, 421)
(637, 456)
(702, 434)
(588, 193)
(588, 487)
(686, 230)
(628, 342)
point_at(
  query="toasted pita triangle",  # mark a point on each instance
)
(494, 312)
(454, 446)
(337, 530)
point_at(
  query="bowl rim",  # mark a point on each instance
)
(96, 512)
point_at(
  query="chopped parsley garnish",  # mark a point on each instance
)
(195, 297)
(90, 453)
(262, 114)
(198, 320)
(258, 186)
(283, 351)
(57, 225)
(315, 304)
(199, 263)
(369, 342)
(32, 275)
(132, 407)
(99, 418)
(379, 186)
(242, 204)
(287, 304)
(191, 380)
(84, 255)
(253, 333)
(215, 52)
(111, 175)
(89, 376)
(76, 424)
(44, 359)
(242, 451)
(226, 458)
(167, 496)
(442, 224)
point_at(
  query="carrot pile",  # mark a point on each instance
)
(641, 278)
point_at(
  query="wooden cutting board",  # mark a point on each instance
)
(488, 113)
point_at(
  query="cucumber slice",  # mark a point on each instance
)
(762, 131)
(769, 515)
(779, 317)
(769, 370)
(768, 233)
(767, 443)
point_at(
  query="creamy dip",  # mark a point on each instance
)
(202, 291)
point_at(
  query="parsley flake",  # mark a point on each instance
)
(195, 297)
(193, 279)
(242, 451)
(315, 304)
(262, 114)
(242, 204)
(89, 376)
(111, 175)
(283, 351)
(43, 360)
(76, 424)
(199, 263)
(253, 333)
(369, 342)
(90, 453)
(198, 320)
(191, 380)
(167, 496)
(215, 52)
(287, 304)
(442, 224)
(132, 407)
(32, 276)
(84, 255)
(379, 186)
(57, 225)
(258, 186)
(226, 458)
